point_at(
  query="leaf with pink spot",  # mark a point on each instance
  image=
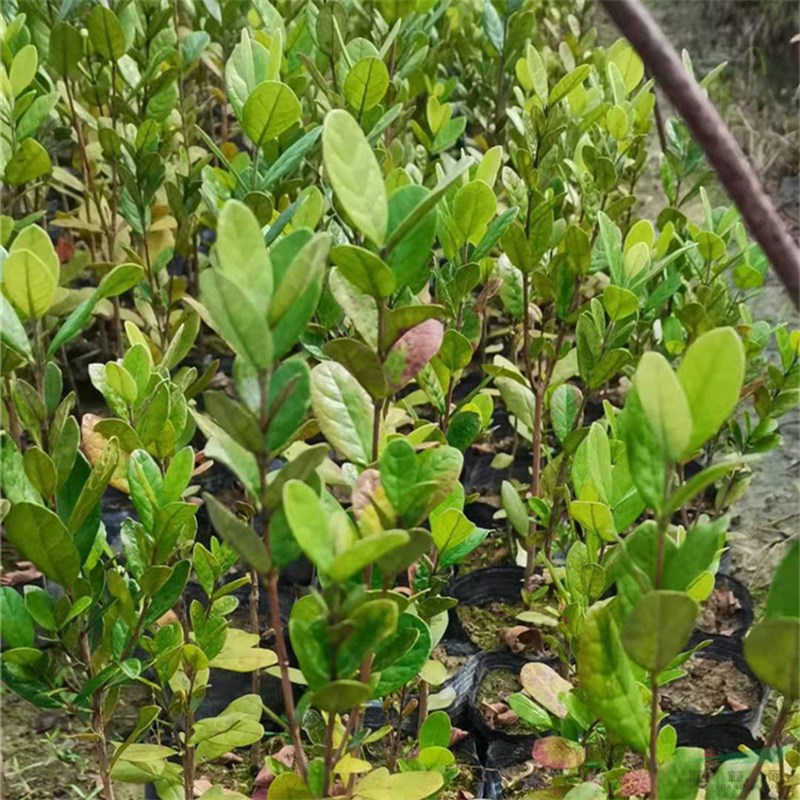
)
(412, 351)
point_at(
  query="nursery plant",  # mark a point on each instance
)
(292, 292)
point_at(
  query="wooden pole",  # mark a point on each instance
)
(711, 133)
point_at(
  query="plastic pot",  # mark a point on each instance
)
(479, 588)
(722, 732)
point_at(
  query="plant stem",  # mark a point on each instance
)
(652, 764)
(255, 627)
(97, 724)
(773, 739)
(329, 753)
(422, 708)
(283, 663)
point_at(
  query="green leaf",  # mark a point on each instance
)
(29, 283)
(354, 174)
(343, 410)
(565, 404)
(340, 696)
(514, 508)
(365, 270)
(645, 458)
(594, 517)
(236, 318)
(529, 711)
(119, 280)
(697, 483)
(242, 255)
(247, 66)
(362, 362)
(784, 592)
(606, 676)
(474, 207)
(288, 402)
(371, 623)
(241, 653)
(17, 624)
(241, 537)
(619, 303)
(405, 667)
(271, 109)
(288, 785)
(568, 83)
(658, 628)
(309, 523)
(366, 84)
(23, 69)
(664, 404)
(305, 270)
(412, 208)
(679, 778)
(30, 161)
(728, 781)
(587, 791)
(772, 649)
(627, 61)
(421, 209)
(106, 34)
(435, 731)
(365, 552)
(95, 485)
(66, 49)
(456, 351)
(41, 471)
(12, 332)
(381, 785)
(538, 71)
(214, 736)
(711, 374)
(44, 540)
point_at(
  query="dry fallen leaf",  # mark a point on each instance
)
(26, 573)
(520, 638)
(499, 715)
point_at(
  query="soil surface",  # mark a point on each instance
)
(493, 695)
(44, 758)
(720, 613)
(484, 624)
(710, 686)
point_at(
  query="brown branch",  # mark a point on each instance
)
(711, 133)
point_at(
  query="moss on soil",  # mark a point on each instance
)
(493, 552)
(483, 624)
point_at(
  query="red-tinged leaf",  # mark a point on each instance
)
(364, 490)
(555, 752)
(412, 351)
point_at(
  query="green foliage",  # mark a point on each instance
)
(371, 272)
